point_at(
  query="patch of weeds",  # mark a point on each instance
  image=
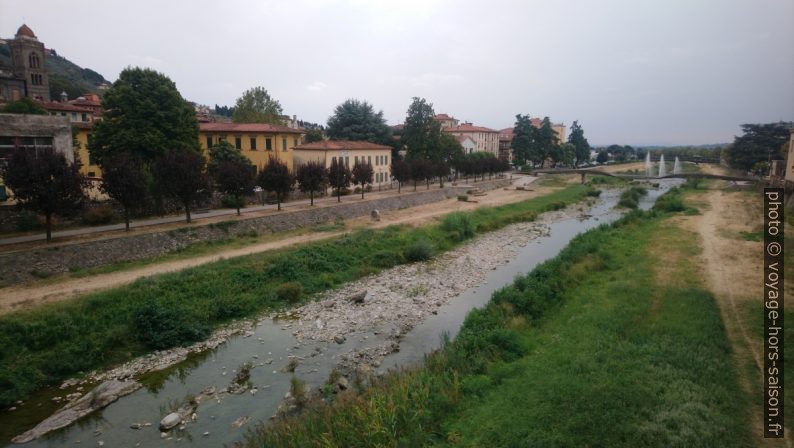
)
(419, 251)
(289, 292)
(40, 273)
(752, 236)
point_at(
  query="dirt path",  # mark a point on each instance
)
(732, 269)
(27, 296)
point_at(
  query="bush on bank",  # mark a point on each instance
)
(56, 341)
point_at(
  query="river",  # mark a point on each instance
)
(223, 418)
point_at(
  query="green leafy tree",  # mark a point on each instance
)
(449, 149)
(758, 143)
(45, 182)
(144, 114)
(225, 152)
(523, 140)
(545, 142)
(566, 154)
(257, 106)
(180, 174)
(339, 177)
(126, 180)
(235, 178)
(275, 177)
(580, 143)
(602, 156)
(312, 177)
(357, 120)
(313, 135)
(362, 175)
(421, 132)
(24, 105)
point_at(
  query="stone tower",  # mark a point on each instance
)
(28, 61)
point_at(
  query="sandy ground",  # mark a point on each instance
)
(31, 295)
(732, 268)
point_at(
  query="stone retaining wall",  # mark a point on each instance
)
(16, 267)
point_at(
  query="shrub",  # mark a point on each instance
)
(159, 326)
(289, 292)
(631, 197)
(27, 221)
(102, 214)
(463, 198)
(458, 225)
(594, 193)
(670, 202)
(419, 251)
(228, 201)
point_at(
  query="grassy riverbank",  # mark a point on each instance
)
(56, 341)
(615, 342)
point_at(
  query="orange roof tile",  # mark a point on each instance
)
(248, 127)
(468, 127)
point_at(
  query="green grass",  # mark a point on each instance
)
(588, 349)
(630, 198)
(59, 340)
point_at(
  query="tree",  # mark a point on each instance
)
(523, 137)
(24, 105)
(401, 171)
(339, 177)
(449, 149)
(44, 181)
(180, 174)
(567, 154)
(126, 180)
(441, 170)
(144, 114)
(312, 177)
(362, 175)
(357, 120)
(235, 178)
(257, 106)
(421, 132)
(421, 169)
(225, 152)
(758, 143)
(580, 144)
(313, 135)
(275, 177)
(545, 141)
(602, 156)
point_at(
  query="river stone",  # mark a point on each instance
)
(359, 297)
(101, 396)
(339, 339)
(170, 420)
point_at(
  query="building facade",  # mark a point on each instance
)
(348, 152)
(257, 141)
(446, 121)
(790, 158)
(485, 139)
(506, 144)
(33, 133)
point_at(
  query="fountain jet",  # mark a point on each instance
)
(677, 166)
(648, 164)
(662, 168)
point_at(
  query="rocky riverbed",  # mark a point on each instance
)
(356, 325)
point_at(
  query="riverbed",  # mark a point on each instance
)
(379, 322)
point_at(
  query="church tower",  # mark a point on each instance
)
(28, 61)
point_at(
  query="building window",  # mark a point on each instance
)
(268, 144)
(386, 158)
(222, 138)
(253, 143)
(294, 142)
(33, 60)
(369, 160)
(238, 142)
(283, 144)
(84, 116)
(355, 159)
(91, 174)
(209, 141)
(74, 116)
(347, 161)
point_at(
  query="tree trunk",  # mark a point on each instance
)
(414, 185)
(278, 201)
(311, 196)
(238, 209)
(362, 191)
(48, 225)
(126, 219)
(187, 211)
(339, 194)
(399, 186)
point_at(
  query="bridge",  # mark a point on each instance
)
(584, 172)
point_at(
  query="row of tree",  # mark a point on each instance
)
(536, 145)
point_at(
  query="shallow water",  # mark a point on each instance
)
(273, 339)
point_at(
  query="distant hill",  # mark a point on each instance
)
(64, 74)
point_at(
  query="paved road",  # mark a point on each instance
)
(198, 217)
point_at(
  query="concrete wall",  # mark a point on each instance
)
(18, 266)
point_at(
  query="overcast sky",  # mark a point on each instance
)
(632, 72)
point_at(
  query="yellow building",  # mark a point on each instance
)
(257, 141)
(81, 131)
(349, 152)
